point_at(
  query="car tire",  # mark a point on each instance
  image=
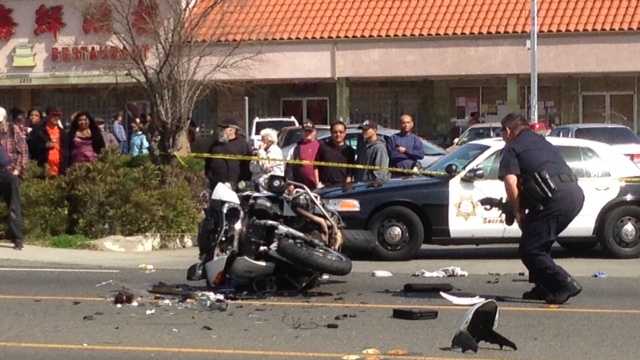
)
(399, 233)
(620, 236)
(575, 246)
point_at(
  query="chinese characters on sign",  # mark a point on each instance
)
(7, 25)
(49, 20)
(98, 19)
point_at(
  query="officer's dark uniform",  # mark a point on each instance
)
(527, 154)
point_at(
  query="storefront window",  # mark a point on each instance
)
(616, 108)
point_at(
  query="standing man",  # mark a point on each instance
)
(372, 153)
(120, 133)
(229, 142)
(47, 143)
(545, 197)
(336, 150)
(13, 159)
(405, 148)
(306, 149)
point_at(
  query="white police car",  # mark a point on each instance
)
(394, 220)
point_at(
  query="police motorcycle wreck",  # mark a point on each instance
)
(270, 240)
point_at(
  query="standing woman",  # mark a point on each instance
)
(83, 142)
(34, 122)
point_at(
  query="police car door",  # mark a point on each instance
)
(467, 218)
(598, 185)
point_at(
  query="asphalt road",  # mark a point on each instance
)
(42, 314)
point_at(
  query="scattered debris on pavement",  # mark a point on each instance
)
(147, 268)
(600, 275)
(398, 352)
(207, 327)
(123, 296)
(371, 351)
(479, 324)
(419, 287)
(410, 314)
(211, 301)
(465, 301)
(150, 311)
(450, 271)
(88, 317)
(332, 326)
(104, 283)
(381, 273)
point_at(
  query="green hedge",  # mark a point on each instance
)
(117, 195)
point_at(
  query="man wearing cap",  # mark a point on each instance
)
(47, 143)
(13, 159)
(372, 153)
(405, 148)
(231, 143)
(306, 149)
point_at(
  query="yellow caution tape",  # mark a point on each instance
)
(312, 163)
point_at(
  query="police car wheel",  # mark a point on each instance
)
(621, 232)
(399, 233)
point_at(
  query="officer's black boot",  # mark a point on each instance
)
(537, 293)
(568, 290)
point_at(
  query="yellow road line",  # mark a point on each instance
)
(442, 307)
(52, 298)
(544, 308)
(216, 351)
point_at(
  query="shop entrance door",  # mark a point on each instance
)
(315, 109)
(609, 107)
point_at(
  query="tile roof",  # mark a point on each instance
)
(263, 20)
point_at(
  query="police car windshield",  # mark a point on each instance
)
(461, 157)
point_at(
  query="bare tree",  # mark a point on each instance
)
(165, 53)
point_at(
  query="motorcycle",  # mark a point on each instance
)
(280, 238)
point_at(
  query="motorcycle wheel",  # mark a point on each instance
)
(318, 258)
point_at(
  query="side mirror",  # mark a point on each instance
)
(451, 170)
(473, 174)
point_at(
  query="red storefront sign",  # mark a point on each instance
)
(91, 53)
(7, 25)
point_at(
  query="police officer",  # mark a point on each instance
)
(545, 197)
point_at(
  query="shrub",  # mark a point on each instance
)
(116, 195)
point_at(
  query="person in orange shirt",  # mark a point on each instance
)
(47, 143)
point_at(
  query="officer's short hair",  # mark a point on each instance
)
(514, 122)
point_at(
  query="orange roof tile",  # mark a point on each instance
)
(263, 20)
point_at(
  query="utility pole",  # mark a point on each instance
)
(534, 62)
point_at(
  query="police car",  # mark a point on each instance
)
(394, 220)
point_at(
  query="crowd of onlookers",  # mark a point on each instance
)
(402, 150)
(56, 145)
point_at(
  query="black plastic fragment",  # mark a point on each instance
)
(410, 314)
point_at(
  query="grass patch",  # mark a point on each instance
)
(69, 242)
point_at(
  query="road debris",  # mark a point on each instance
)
(147, 268)
(381, 273)
(371, 351)
(465, 301)
(479, 324)
(150, 311)
(410, 314)
(104, 283)
(332, 326)
(88, 317)
(351, 357)
(437, 287)
(600, 275)
(207, 327)
(123, 296)
(450, 271)
(211, 301)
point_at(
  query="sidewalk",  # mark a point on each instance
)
(163, 259)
